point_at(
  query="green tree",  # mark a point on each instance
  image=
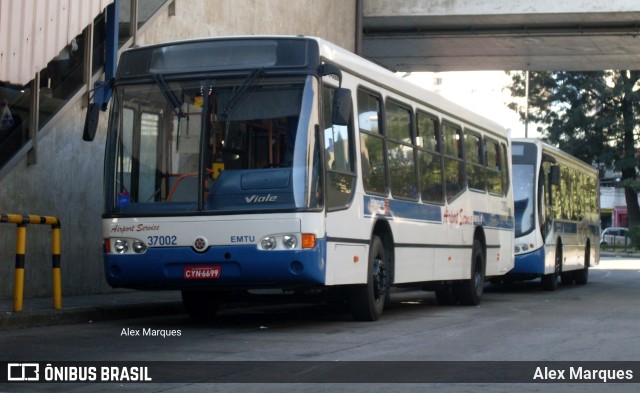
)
(593, 115)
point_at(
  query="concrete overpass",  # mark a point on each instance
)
(457, 35)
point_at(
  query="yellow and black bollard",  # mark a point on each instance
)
(21, 222)
(56, 274)
(18, 288)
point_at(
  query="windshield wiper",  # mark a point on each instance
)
(249, 81)
(168, 94)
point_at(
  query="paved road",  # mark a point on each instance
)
(596, 322)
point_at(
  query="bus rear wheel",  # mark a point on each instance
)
(582, 276)
(469, 292)
(200, 304)
(367, 300)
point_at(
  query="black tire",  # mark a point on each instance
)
(469, 292)
(446, 295)
(567, 278)
(200, 304)
(549, 281)
(582, 276)
(367, 300)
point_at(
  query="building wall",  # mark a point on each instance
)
(29, 37)
(612, 202)
(333, 20)
(67, 180)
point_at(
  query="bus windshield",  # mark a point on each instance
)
(523, 197)
(213, 145)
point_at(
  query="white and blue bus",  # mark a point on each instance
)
(557, 215)
(289, 163)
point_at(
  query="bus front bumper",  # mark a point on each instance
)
(529, 264)
(218, 267)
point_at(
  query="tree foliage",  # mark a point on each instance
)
(594, 116)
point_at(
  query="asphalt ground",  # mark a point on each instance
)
(100, 307)
(89, 308)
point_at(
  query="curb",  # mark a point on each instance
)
(619, 254)
(41, 318)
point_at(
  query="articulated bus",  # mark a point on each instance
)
(288, 163)
(557, 215)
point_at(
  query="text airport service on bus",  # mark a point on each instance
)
(288, 162)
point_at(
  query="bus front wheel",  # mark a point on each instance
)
(550, 281)
(367, 300)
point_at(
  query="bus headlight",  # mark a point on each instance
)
(523, 248)
(289, 241)
(268, 243)
(121, 246)
(139, 247)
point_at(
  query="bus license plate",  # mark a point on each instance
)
(202, 272)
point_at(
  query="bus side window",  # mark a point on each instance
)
(429, 158)
(453, 163)
(338, 155)
(504, 169)
(374, 167)
(494, 166)
(474, 153)
(124, 165)
(400, 152)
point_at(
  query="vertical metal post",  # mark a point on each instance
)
(32, 156)
(18, 287)
(56, 273)
(102, 94)
(133, 26)
(87, 72)
(111, 55)
(526, 106)
(359, 16)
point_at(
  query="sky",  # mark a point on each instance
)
(484, 92)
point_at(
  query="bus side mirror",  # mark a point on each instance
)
(101, 97)
(341, 107)
(554, 176)
(554, 180)
(91, 122)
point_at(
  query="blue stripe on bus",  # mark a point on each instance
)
(393, 208)
(531, 263)
(243, 266)
(396, 209)
(490, 220)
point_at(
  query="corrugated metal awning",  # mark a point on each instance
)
(32, 32)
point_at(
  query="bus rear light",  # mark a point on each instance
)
(308, 240)
(107, 246)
